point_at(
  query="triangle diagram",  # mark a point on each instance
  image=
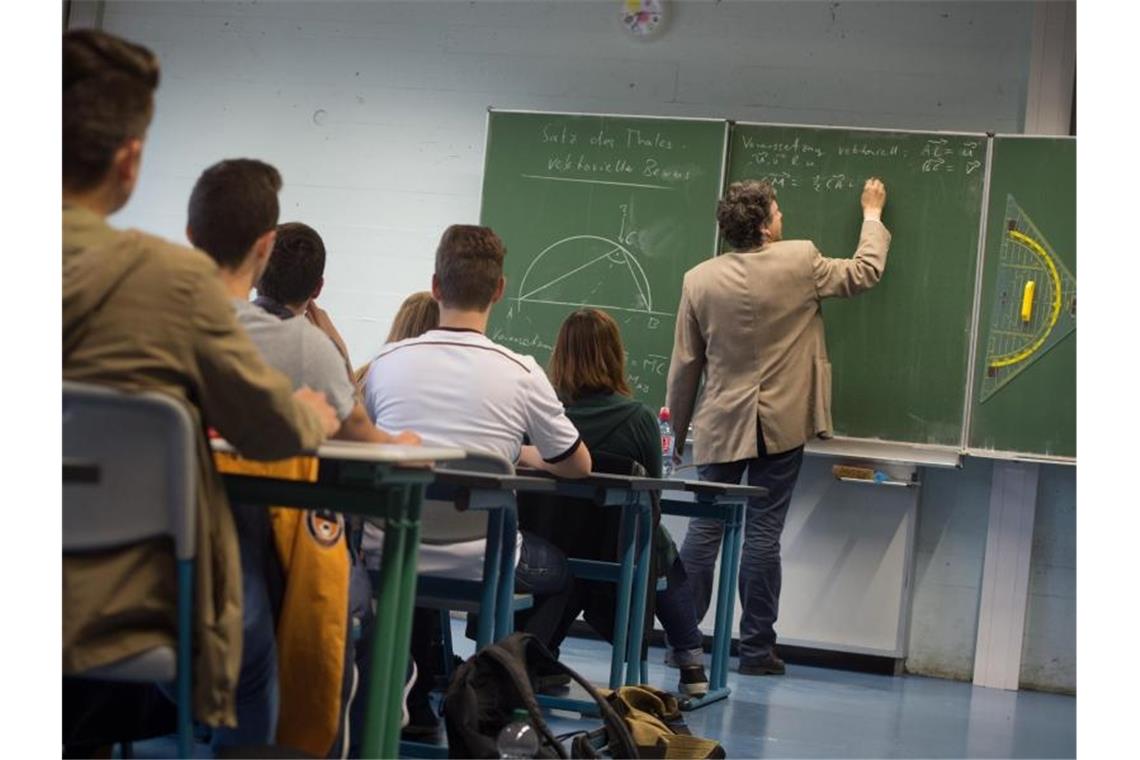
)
(587, 270)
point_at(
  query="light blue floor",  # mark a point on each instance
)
(817, 712)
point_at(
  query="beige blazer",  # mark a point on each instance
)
(140, 313)
(751, 323)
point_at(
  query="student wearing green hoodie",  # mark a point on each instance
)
(587, 369)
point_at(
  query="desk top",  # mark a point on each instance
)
(602, 480)
(493, 481)
(716, 489)
(358, 451)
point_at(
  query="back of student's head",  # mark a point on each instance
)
(418, 313)
(108, 99)
(233, 204)
(469, 266)
(296, 265)
(588, 356)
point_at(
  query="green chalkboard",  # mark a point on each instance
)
(899, 352)
(1026, 365)
(603, 211)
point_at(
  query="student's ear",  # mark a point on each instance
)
(500, 290)
(190, 236)
(436, 292)
(317, 292)
(263, 247)
(127, 161)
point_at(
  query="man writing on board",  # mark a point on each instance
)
(750, 320)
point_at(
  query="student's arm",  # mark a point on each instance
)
(847, 277)
(578, 465)
(321, 319)
(357, 427)
(251, 404)
(649, 441)
(684, 369)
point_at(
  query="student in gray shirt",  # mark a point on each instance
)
(221, 204)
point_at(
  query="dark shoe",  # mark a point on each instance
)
(550, 680)
(424, 725)
(762, 666)
(552, 683)
(694, 682)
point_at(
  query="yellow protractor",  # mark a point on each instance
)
(1024, 353)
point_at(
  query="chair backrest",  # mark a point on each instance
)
(442, 523)
(129, 469)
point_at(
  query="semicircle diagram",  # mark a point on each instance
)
(1035, 304)
(587, 270)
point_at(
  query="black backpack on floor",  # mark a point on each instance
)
(498, 680)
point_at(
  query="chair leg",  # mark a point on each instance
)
(185, 633)
(448, 647)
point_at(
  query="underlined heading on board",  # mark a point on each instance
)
(585, 156)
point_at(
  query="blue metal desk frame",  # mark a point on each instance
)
(724, 502)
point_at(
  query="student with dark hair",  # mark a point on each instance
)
(233, 217)
(587, 368)
(459, 388)
(234, 204)
(141, 313)
(294, 278)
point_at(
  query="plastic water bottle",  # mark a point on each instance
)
(667, 441)
(518, 738)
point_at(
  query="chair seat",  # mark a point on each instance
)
(158, 664)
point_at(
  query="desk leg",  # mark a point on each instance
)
(626, 537)
(640, 592)
(504, 605)
(395, 598)
(492, 567)
(726, 595)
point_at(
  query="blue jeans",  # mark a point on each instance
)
(760, 572)
(257, 694)
(676, 610)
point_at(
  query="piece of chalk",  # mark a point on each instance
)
(1027, 301)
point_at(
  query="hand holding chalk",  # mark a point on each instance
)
(874, 198)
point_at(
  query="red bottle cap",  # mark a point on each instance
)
(664, 415)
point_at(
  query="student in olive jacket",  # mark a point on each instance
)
(140, 313)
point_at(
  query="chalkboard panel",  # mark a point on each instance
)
(1025, 379)
(899, 353)
(603, 211)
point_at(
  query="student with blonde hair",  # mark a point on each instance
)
(417, 314)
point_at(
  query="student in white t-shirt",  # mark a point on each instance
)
(456, 387)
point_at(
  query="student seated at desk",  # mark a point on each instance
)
(458, 388)
(142, 313)
(233, 216)
(301, 650)
(294, 278)
(587, 369)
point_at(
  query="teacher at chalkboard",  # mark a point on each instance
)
(750, 319)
